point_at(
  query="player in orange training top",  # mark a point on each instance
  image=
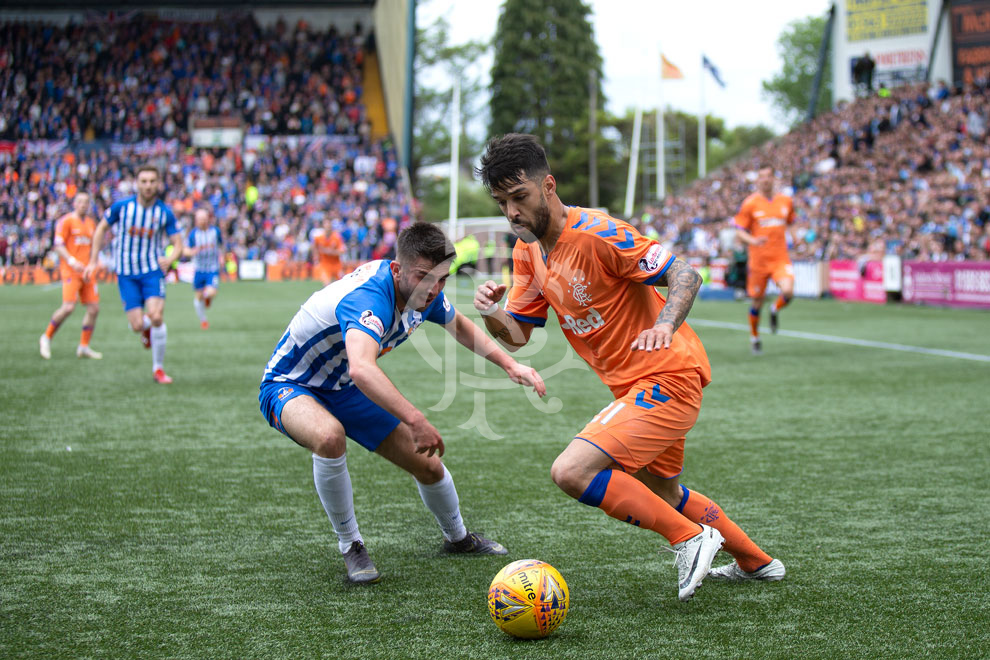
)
(329, 249)
(599, 275)
(762, 225)
(73, 238)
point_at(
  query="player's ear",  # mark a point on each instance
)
(549, 184)
(395, 267)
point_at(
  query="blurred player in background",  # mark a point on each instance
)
(329, 250)
(139, 223)
(205, 245)
(73, 242)
(762, 225)
(599, 275)
(323, 385)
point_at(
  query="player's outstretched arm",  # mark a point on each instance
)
(362, 360)
(509, 332)
(94, 251)
(471, 336)
(683, 283)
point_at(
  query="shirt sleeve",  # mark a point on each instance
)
(526, 302)
(440, 311)
(62, 231)
(645, 260)
(744, 218)
(790, 211)
(171, 227)
(365, 311)
(113, 214)
(191, 239)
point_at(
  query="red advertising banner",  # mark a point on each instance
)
(956, 284)
(848, 280)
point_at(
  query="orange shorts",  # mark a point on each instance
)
(647, 426)
(757, 276)
(74, 288)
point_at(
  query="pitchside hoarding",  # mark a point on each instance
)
(955, 284)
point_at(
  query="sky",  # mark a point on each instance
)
(739, 38)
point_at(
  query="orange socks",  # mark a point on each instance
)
(87, 334)
(625, 498)
(699, 508)
(780, 303)
(50, 330)
(754, 322)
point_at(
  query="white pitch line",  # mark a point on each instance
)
(976, 357)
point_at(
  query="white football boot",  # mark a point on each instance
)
(770, 573)
(694, 558)
(45, 347)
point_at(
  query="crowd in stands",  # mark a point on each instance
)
(146, 77)
(141, 80)
(904, 171)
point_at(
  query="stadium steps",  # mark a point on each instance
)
(374, 96)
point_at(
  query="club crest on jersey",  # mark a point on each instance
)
(369, 320)
(579, 289)
(284, 392)
(652, 260)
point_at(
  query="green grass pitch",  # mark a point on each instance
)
(181, 526)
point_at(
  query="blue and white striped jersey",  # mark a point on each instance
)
(209, 242)
(311, 352)
(139, 231)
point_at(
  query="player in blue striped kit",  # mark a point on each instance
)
(204, 244)
(140, 222)
(323, 384)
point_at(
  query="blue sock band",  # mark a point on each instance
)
(595, 492)
(754, 311)
(685, 493)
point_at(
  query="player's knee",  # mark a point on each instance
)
(329, 445)
(68, 307)
(137, 326)
(155, 318)
(430, 472)
(567, 476)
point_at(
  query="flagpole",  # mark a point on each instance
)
(661, 156)
(455, 144)
(633, 162)
(702, 130)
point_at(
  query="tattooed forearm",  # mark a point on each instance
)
(682, 284)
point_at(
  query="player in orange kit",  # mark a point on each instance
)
(73, 238)
(329, 248)
(598, 274)
(762, 225)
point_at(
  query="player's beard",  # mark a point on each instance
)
(541, 223)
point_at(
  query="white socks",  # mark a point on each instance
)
(441, 499)
(200, 309)
(147, 322)
(333, 485)
(159, 336)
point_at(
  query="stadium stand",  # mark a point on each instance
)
(80, 108)
(901, 172)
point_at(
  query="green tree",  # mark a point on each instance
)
(437, 65)
(790, 90)
(544, 54)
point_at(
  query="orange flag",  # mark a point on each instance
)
(668, 71)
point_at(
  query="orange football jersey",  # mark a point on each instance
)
(76, 235)
(334, 242)
(599, 280)
(767, 217)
